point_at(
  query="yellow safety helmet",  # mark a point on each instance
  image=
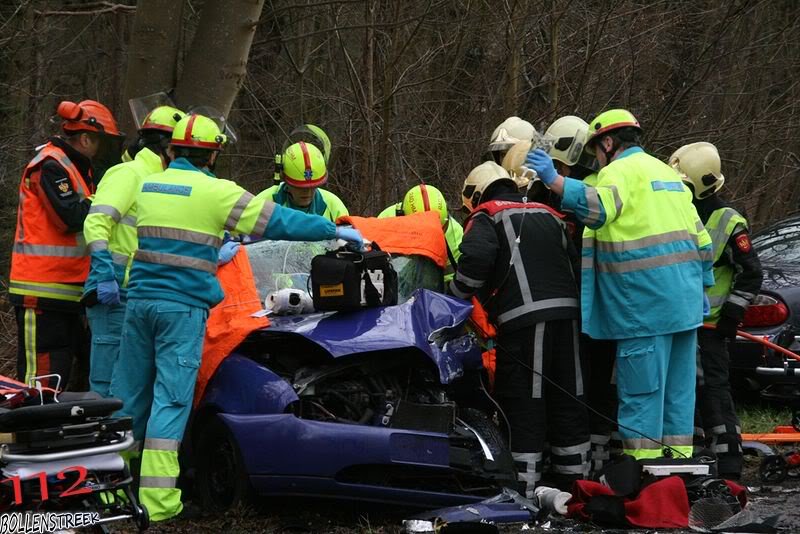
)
(479, 179)
(509, 132)
(700, 167)
(303, 165)
(425, 197)
(610, 120)
(198, 131)
(163, 118)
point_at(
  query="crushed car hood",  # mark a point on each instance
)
(429, 321)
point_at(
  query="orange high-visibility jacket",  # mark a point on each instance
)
(45, 256)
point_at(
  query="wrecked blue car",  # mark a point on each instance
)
(383, 404)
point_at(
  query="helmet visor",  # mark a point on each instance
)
(543, 141)
(220, 119)
(143, 105)
(312, 134)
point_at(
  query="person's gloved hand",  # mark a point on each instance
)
(351, 235)
(726, 327)
(706, 305)
(541, 162)
(730, 317)
(228, 251)
(108, 292)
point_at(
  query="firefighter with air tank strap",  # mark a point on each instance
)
(517, 259)
(737, 281)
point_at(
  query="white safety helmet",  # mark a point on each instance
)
(570, 134)
(511, 131)
(514, 163)
(479, 179)
(699, 166)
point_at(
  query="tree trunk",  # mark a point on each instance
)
(216, 62)
(153, 53)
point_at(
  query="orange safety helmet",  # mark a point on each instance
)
(87, 116)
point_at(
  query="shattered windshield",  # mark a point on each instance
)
(780, 244)
(281, 264)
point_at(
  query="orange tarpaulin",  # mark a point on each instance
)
(229, 322)
(418, 233)
(487, 332)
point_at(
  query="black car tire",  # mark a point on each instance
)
(222, 482)
(484, 426)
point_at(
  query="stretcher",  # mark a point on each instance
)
(61, 452)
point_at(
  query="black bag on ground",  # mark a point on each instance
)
(343, 280)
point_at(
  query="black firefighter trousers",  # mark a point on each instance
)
(715, 413)
(537, 410)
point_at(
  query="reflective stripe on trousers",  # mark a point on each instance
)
(601, 450)
(30, 344)
(529, 470)
(159, 479)
(571, 460)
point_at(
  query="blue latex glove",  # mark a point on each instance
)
(108, 292)
(352, 235)
(706, 306)
(541, 162)
(228, 251)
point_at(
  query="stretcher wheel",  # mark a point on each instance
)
(141, 517)
(773, 469)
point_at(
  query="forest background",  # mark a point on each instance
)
(411, 90)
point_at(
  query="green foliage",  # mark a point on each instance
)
(760, 417)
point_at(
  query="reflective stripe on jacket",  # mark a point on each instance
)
(518, 259)
(47, 261)
(646, 256)
(182, 214)
(721, 226)
(110, 227)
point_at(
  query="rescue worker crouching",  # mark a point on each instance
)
(110, 232)
(737, 281)
(421, 198)
(571, 159)
(49, 260)
(643, 273)
(182, 214)
(303, 173)
(517, 259)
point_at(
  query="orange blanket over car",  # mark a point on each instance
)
(418, 233)
(230, 321)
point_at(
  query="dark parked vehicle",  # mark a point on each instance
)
(775, 314)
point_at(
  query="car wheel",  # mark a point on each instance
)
(222, 481)
(483, 425)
